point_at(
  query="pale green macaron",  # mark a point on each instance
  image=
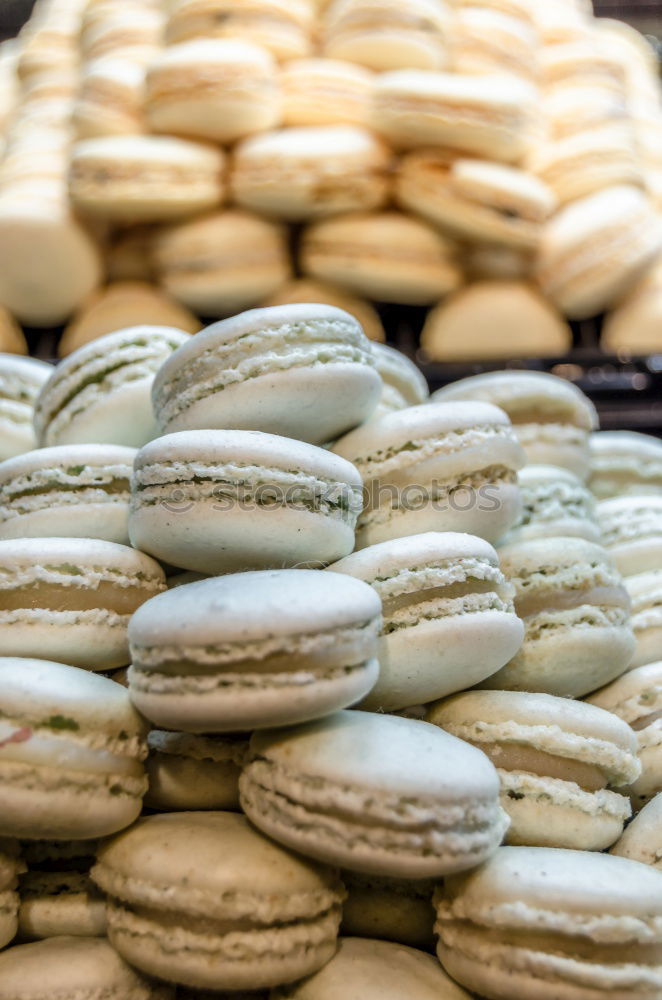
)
(21, 380)
(554, 502)
(645, 590)
(205, 900)
(632, 532)
(624, 462)
(304, 371)
(642, 841)
(404, 382)
(218, 501)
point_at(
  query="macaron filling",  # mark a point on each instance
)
(66, 486)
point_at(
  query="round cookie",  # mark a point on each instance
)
(301, 290)
(554, 502)
(645, 590)
(631, 529)
(624, 462)
(57, 895)
(110, 98)
(404, 383)
(252, 650)
(325, 92)
(21, 380)
(283, 27)
(642, 841)
(193, 772)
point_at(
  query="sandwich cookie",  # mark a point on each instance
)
(221, 262)
(624, 462)
(308, 172)
(144, 178)
(498, 319)
(387, 35)
(71, 752)
(576, 614)
(126, 32)
(110, 98)
(441, 467)
(205, 900)
(551, 417)
(645, 590)
(474, 200)
(78, 490)
(631, 529)
(247, 371)
(642, 841)
(129, 254)
(222, 501)
(634, 325)
(101, 392)
(71, 598)
(306, 290)
(283, 27)
(377, 970)
(194, 772)
(637, 698)
(491, 40)
(596, 248)
(491, 117)
(124, 304)
(57, 895)
(449, 619)
(545, 923)
(325, 92)
(387, 256)
(581, 164)
(21, 380)
(80, 967)
(581, 61)
(556, 760)
(574, 109)
(404, 383)
(389, 909)
(11, 866)
(554, 503)
(377, 794)
(253, 650)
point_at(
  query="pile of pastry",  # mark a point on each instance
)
(312, 686)
(499, 161)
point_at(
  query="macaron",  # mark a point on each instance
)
(222, 501)
(631, 529)
(10, 867)
(636, 697)
(120, 305)
(70, 599)
(374, 793)
(377, 970)
(306, 290)
(69, 966)
(12, 338)
(574, 109)
(642, 841)
(79, 490)
(221, 262)
(325, 92)
(436, 467)
(449, 619)
(221, 89)
(576, 615)
(56, 892)
(21, 380)
(545, 923)
(101, 392)
(129, 254)
(205, 900)
(474, 199)
(385, 35)
(193, 772)
(581, 60)
(283, 27)
(486, 262)
(490, 40)
(389, 909)
(110, 98)
(144, 178)
(404, 383)
(558, 761)
(485, 116)
(254, 650)
(311, 171)
(498, 319)
(578, 279)
(387, 256)
(303, 371)
(624, 462)
(71, 752)
(550, 415)
(554, 502)
(645, 590)
(126, 32)
(633, 327)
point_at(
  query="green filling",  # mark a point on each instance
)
(60, 722)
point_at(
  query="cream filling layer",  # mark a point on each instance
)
(616, 243)
(585, 616)
(420, 611)
(69, 749)
(221, 750)
(636, 523)
(554, 581)
(155, 683)
(554, 792)
(558, 502)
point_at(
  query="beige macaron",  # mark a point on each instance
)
(283, 27)
(491, 39)
(634, 325)
(642, 840)
(325, 92)
(301, 290)
(110, 98)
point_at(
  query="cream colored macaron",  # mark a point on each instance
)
(110, 98)
(642, 841)
(325, 92)
(631, 528)
(624, 462)
(283, 27)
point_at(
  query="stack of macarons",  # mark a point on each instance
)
(288, 650)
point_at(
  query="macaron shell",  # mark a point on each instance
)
(76, 909)
(642, 841)
(204, 780)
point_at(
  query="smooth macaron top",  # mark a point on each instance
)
(636, 696)
(310, 144)
(144, 151)
(562, 891)
(214, 864)
(199, 53)
(47, 560)
(66, 699)
(540, 396)
(401, 374)
(386, 754)
(468, 92)
(502, 187)
(642, 840)
(28, 374)
(255, 607)
(587, 220)
(209, 450)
